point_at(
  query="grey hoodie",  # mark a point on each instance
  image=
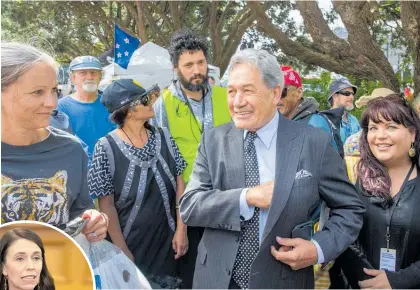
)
(308, 107)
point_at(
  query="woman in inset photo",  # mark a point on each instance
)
(23, 263)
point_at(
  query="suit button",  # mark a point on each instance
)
(242, 218)
(228, 272)
(237, 239)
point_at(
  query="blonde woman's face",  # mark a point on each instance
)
(30, 100)
(23, 265)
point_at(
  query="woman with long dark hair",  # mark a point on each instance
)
(23, 265)
(389, 186)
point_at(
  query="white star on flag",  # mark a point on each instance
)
(126, 53)
(119, 54)
(126, 40)
(117, 46)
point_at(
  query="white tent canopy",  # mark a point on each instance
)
(150, 64)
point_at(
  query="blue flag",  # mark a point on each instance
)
(125, 45)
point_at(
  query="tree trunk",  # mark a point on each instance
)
(140, 23)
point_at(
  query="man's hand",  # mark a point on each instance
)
(261, 195)
(380, 280)
(297, 253)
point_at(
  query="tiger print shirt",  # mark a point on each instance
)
(46, 181)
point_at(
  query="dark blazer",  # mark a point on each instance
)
(211, 200)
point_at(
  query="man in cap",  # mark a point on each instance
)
(294, 106)
(342, 94)
(89, 119)
(189, 107)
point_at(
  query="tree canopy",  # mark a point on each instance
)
(69, 28)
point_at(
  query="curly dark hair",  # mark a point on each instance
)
(373, 175)
(186, 40)
(46, 281)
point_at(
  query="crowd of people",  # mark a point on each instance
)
(249, 186)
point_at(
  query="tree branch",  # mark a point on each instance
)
(352, 63)
(317, 27)
(140, 22)
(157, 32)
(355, 16)
(223, 16)
(410, 16)
(176, 18)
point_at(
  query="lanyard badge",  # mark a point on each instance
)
(388, 257)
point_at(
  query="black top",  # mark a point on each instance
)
(404, 237)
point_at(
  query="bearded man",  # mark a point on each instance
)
(88, 118)
(188, 107)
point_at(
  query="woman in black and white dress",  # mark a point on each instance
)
(136, 174)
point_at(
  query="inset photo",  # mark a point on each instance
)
(38, 256)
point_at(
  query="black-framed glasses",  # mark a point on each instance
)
(346, 93)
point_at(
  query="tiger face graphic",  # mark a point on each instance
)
(39, 199)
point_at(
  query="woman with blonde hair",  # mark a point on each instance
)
(44, 170)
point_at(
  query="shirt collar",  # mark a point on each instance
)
(266, 133)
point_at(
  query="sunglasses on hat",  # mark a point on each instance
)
(146, 100)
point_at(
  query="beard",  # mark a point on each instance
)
(89, 86)
(349, 108)
(187, 84)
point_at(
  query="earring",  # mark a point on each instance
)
(412, 151)
(5, 283)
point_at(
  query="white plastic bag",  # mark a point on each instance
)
(111, 267)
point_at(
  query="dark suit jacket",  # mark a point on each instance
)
(211, 200)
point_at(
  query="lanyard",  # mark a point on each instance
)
(190, 108)
(391, 209)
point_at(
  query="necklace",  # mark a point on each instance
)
(127, 137)
(132, 143)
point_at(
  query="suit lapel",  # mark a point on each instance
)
(234, 158)
(289, 147)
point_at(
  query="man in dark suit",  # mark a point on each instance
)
(255, 183)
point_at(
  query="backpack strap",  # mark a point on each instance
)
(336, 134)
(110, 154)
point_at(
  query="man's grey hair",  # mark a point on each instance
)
(262, 60)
